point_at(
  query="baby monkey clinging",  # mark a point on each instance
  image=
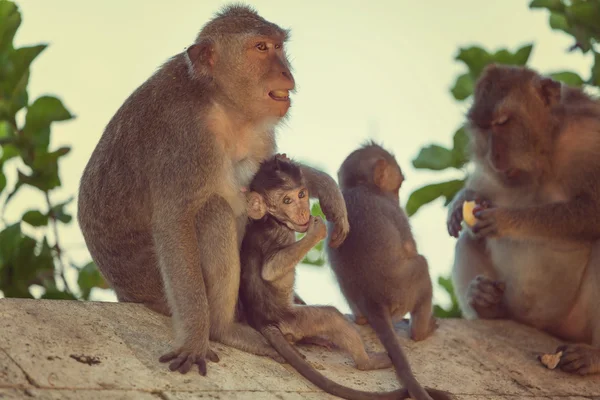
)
(278, 206)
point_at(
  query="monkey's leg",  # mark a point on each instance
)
(329, 322)
(473, 276)
(220, 260)
(580, 358)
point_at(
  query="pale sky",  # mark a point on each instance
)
(364, 70)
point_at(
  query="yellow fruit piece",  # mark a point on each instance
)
(551, 360)
(467, 211)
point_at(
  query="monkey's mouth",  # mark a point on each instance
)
(300, 228)
(280, 95)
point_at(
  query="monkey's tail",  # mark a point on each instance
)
(381, 321)
(283, 347)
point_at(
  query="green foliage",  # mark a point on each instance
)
(26, 260)
(581, 20)
(317, 255)
(454, 310)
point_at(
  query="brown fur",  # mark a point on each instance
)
(161, 206)
(378, 267)
(269, 256)
(533, 254)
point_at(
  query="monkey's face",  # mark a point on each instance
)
(291, 207)
(254, 74)
(510, 124)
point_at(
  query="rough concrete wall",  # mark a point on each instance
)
(51, 349)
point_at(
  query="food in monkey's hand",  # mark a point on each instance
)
(550, 361)
(467, 210)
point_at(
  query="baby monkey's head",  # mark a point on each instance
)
(278, 189)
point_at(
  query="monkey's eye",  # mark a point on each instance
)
(287, 200)
(262, 46)
(278, 46)
(302, 194)
(500, 121)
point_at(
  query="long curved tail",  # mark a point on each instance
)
(291, 355)
(381, 321)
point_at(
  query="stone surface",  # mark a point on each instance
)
(53, 349)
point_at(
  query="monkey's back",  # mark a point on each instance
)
(369, 262)
(264, 302)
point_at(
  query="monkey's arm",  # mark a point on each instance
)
(286, 259)
(322, 186)
(577, 219)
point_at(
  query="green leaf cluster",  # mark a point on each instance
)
(25, 260)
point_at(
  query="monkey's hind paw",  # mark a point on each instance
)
(182, 360)
(581, 359)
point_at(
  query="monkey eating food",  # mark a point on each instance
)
(378, 267)
(278, 205)
(534, 253)
(161, 203)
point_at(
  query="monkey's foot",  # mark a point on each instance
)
(184, 359)
(375, 361)
(485, 296)
(579, 359)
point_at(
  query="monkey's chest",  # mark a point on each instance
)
(542, 278)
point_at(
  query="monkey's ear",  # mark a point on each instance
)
(549, 90)
(201, 56)
(381, 174)
(256, 205)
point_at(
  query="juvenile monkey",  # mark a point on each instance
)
(379, 270)
(161, 201)
(533, 255)
(278, 205)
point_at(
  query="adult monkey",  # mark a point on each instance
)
(534, 254)
(161, 202)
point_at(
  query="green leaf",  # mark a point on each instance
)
(586, 13)
(10, 19)
(460, 149)
(35, 218)
(15, 75)
(10, 238)
(6, 130)
(463, 88)
(2, 181)
(8, 152)
(89, 278)
(522, 55)
(55, 294)
(553, 5)
(58, 211)
(475, 59)
(429, 193)
(570, 78)
(40, 115)
(558, 21)
(454, 311)
(433, 157)
(595, 78)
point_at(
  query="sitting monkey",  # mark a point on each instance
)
(278, 205)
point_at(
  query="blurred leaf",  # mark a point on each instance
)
(460, 150)
(463, 87)
(10, 238)
(433, 157)
(475, 59)
(55, 294)
(2, 181)
(595, 78)
(454, 311)
(44, 180)
(35, 218)
(10, 19)
(58, 211)
(522, 55)
(586, 13)
(15, 75)
(429, 193)
(552, 5)
(8, 152)
(558, 21)
(40, 115)
(6, 130)
(570, 78)
(89, 278)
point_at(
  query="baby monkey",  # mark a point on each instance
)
(278, 206)
(378, 267)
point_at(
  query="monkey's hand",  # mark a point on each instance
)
(491, 222)
(282, 156)
(316, 229)
(485, 296)
(579, 359)
(183, 359)
(455, 212)
(341, 228)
